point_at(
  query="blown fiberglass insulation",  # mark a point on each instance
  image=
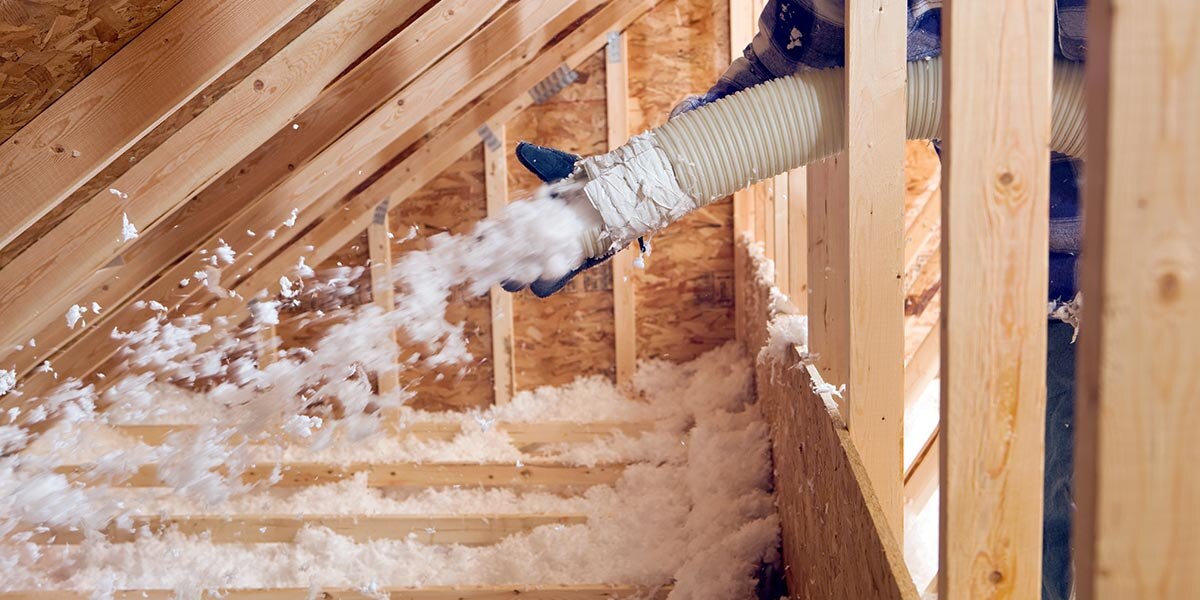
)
(713, 522)
(699, 514)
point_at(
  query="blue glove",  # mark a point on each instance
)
(550, 165)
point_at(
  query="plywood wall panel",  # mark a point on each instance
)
(571, 333)
(685, 294)
(47, 47)
(452, 203)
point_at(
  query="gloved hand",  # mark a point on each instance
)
(550, 165)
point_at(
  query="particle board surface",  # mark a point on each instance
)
(836, 541)
(182, 116)
(453, 202)
(685, 294)
(571, 333)
(47, 47)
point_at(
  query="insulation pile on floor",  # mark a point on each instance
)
(664, 491)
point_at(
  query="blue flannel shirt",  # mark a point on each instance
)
(810, 34)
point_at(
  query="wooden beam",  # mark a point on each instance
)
(741, 33)
(780, 225)
(392, 475)
(383, 292)
(504, 370)
(1137, 532)
(508, 41)
(996, 116)
(124, 99)
(868, 229)
(157, 185)
(797, 236)
(436, 154)
(468, 530)
(616, 95)
(525, 436)
(519, 592)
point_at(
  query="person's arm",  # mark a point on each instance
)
(792, 34)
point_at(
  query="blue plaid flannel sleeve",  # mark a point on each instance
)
(810, 34)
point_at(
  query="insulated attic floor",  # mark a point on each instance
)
(578, 492)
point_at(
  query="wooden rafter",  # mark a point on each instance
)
(38, 281)
(156, 73)
(345, 103)
(451, 142)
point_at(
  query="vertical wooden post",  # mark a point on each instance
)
(856, 231)
(616, 77)
(797, 238)
(780, 232)
(382, 290)
(266, 346)
(995, 202)
(504, 366)
(1137, 529)
(742, 20)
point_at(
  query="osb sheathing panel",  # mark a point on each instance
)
(685, 294)
(570, 333)
(214, 212)
(47, 46)
(836, 542)
(452, 202)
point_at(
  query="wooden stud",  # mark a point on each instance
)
(509, 40)
(393, 475)
(157, 185)
(1137, 527)
(996, 117)
(504, 372)
(797, 238)
(468, 530)
(866, 241)
(383, 292)
(509, 592)
(616, 94)
(124, 99)
(741, 33)
(781, 204)
(267, 342)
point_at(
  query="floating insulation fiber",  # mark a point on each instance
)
(693, 508)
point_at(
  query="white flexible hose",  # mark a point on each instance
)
(763, 131)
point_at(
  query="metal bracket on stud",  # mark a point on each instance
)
(548, 87)
(489, 138)
(614, 46)
(381, 212)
